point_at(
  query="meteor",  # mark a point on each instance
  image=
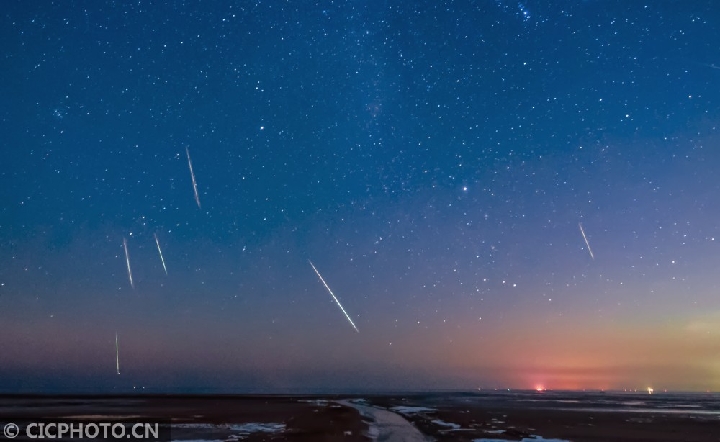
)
(333, 295)
(127, 261)
(192, 175)
(586, 241)
(160, 252)
(117, 355)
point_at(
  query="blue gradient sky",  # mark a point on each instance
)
(434, 160)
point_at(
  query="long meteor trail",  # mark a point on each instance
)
(117, 354)
(127, 261)
(586, 241)
(334, 297)
(192, 175)
(160, 252)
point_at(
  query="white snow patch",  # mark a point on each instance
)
(410, 410)
(242, 430)
(195, 425)
(362, 406)
(386, 425)
(373, 431)
(442, 423)
(315, 401)
(257, 428)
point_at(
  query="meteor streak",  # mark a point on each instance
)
(333, 295)
(127, 260)
(192, 175)
(586, 241)
(160, 252)
(117, 354)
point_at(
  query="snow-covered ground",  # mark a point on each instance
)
(411, 410)
(387, 426)
(448, 425)
(315, 401)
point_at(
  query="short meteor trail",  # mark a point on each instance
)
(586, 241)
(160, 252)
(192, 175)
(117, 354)
(127, 260)
(333, 295)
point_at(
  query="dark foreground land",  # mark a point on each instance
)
(480, 416)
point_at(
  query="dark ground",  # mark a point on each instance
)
(319, 418)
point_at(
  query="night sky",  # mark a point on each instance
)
(500, 194)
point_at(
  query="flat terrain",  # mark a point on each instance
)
(458, 421)
(442, 417)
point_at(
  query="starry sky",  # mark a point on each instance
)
(499, 193)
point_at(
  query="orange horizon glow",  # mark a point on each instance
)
(672, 355)
(533, 355)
